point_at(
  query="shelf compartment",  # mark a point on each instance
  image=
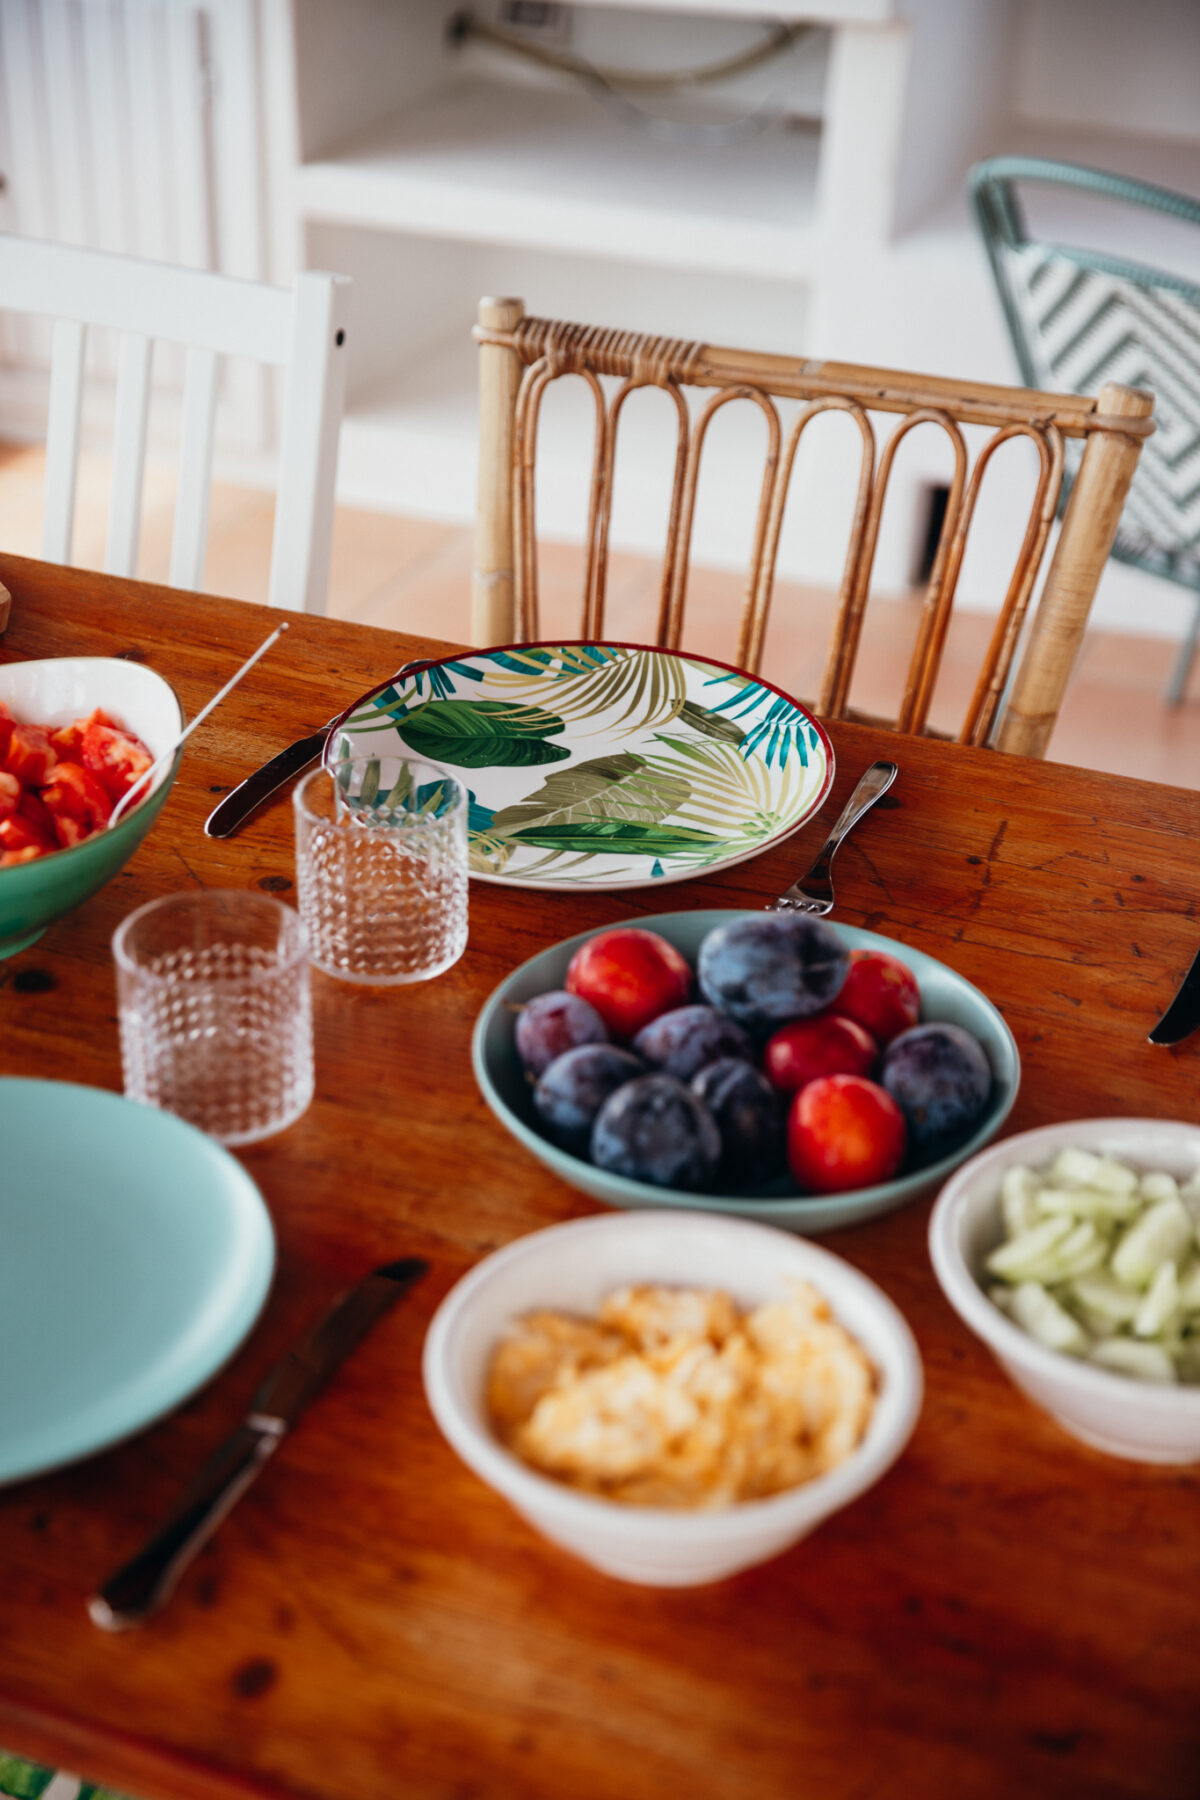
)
(550, 169)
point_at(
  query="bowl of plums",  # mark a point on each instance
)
(770, 1065)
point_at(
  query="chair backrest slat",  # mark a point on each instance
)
(312, 415)
(679, 529)
(129, 454)
(850, 600)
(190, 536)
(1111, 429)
(1089, 527)
(155, 299)
(67, 350)
(301, 330)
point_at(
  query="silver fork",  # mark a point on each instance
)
(813, 893)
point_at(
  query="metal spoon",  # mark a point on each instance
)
(147, 775)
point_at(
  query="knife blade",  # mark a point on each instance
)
(231, 813)
(241, 801)
(141, 1585)
(1183, 1015)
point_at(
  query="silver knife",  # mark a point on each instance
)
(237, 805)
(233, 811)
(142, 1584)
(1183, 1015)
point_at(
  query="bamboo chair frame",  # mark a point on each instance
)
(520, 357)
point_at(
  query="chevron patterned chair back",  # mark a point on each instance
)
(1080, 318)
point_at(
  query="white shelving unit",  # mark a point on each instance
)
(502, 163)
(351, 134)
(434, 174)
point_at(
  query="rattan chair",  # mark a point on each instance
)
(520, 356)
(1078, 317)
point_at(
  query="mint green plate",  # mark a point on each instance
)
(135, 1255)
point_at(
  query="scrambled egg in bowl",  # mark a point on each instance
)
(674, 1397)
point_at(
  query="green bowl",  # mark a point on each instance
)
(944, 996)
(54, 692)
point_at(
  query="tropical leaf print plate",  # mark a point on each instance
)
(601, 765)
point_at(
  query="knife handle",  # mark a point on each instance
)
(142, 1584)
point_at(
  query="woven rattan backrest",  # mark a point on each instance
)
(520, 357)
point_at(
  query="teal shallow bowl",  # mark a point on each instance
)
(137, 1255)
(54, 692)
(944, 995)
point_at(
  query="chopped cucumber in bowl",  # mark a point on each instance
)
(1073, 1251)
(1101, 1260)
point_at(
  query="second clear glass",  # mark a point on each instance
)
(215, 1013)
(381, 869)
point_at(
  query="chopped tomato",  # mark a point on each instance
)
(77, 800)
(70, 831)
(58, 783)
(31, 755)
(33, 809)
(31, 827)
(68, 741)
(113, 755)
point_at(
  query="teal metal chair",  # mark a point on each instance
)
(1081, 317)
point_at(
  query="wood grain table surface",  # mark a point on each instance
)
(1006, 1612)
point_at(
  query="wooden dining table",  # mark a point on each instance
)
(1005, 1612)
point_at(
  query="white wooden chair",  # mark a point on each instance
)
(301, 330)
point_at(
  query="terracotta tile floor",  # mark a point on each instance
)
(414, 574)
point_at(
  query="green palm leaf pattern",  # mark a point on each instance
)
(557, 660)
(621, 786)
(579, 870)
(738, 798)
(488, 854)
(479, 734)
(24, 1780)
(617, 835)
(691, 764)
(710, 724)
(651, 687)
(775, 726)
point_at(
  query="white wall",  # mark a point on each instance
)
(1132, 65)
(135, 128)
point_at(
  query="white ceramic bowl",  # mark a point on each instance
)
(572, 1267)
(1141, 1420)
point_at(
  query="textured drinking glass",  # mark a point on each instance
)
(381, 867)
(215, 1011)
